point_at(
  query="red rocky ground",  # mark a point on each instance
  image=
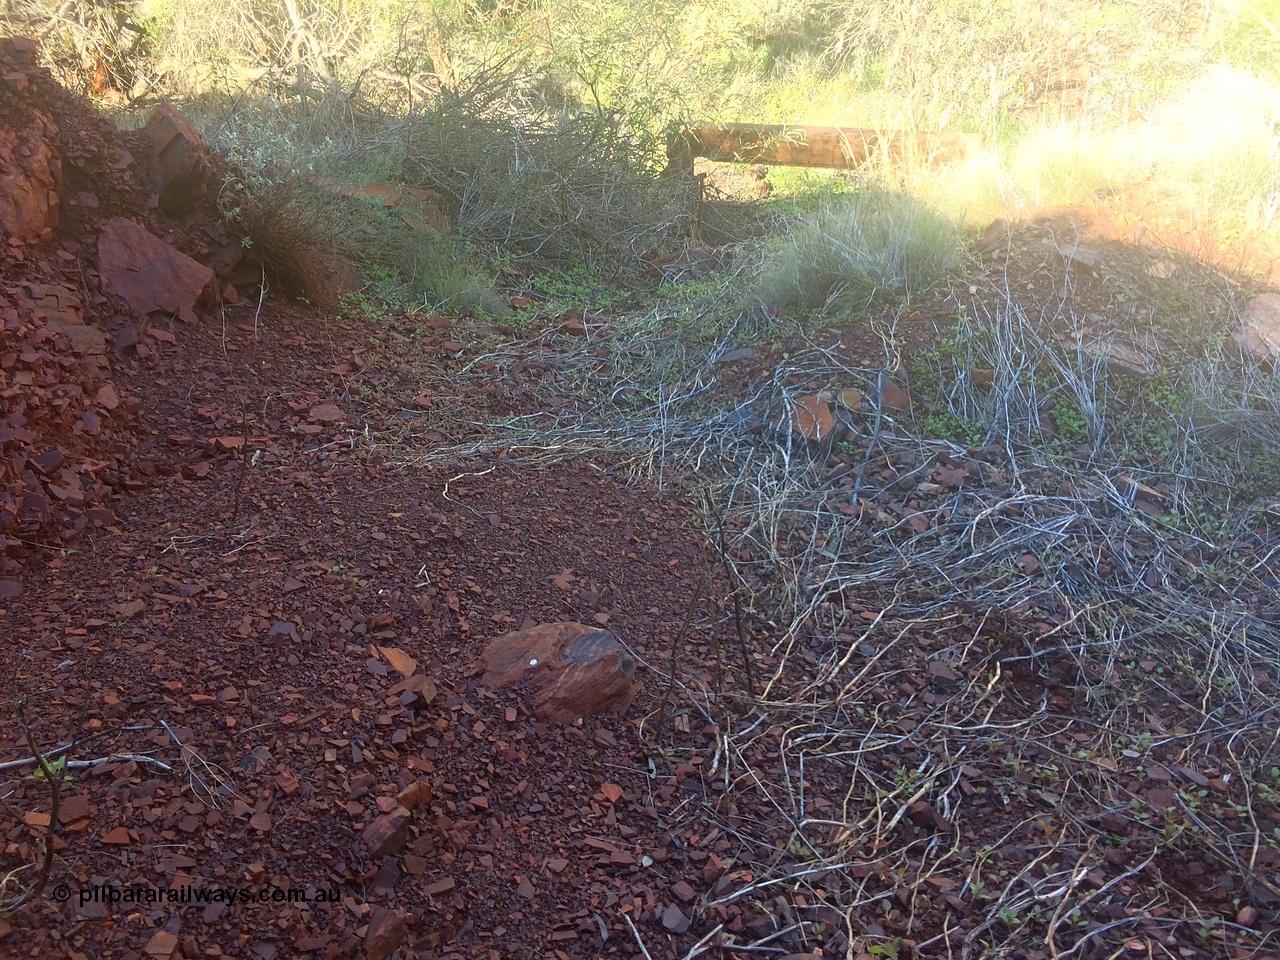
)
(255, 635)
(83, 208)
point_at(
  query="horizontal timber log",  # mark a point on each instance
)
(806, 146)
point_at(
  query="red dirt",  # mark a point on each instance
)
(220, 589)
(252, 633)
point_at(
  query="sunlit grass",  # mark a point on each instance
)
(1220, 145)
(871, 244)
(1207, 158)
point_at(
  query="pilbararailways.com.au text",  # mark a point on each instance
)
(191, 893)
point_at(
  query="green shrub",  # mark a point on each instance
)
(310, 240)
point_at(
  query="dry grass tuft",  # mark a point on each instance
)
(536, 179)
(293, 234)
(871, 245)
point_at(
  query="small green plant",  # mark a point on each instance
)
(954, 345)
(945, 425)
(690, 291)
(51, 770)
(891, 950)
(1072, 423)
(577, 286)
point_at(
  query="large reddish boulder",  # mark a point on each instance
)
(30, 178)
(148, 273)
(573, 670)
(181, 161)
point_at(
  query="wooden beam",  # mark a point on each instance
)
(807, 146)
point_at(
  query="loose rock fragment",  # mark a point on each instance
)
(147, 273)
(325, 413)
(674, 920)
(161, 944)
(810, 418)
(892, 395)
(415, 795)
(387, 834)
(683, 892)
(1260, 326)
(574, 670)
(385, 934)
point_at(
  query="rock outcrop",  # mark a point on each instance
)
(30, 180)
(83, 207)
(182, 161)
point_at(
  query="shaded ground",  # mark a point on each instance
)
(241, 601)
(904, 772)
(251, 632)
